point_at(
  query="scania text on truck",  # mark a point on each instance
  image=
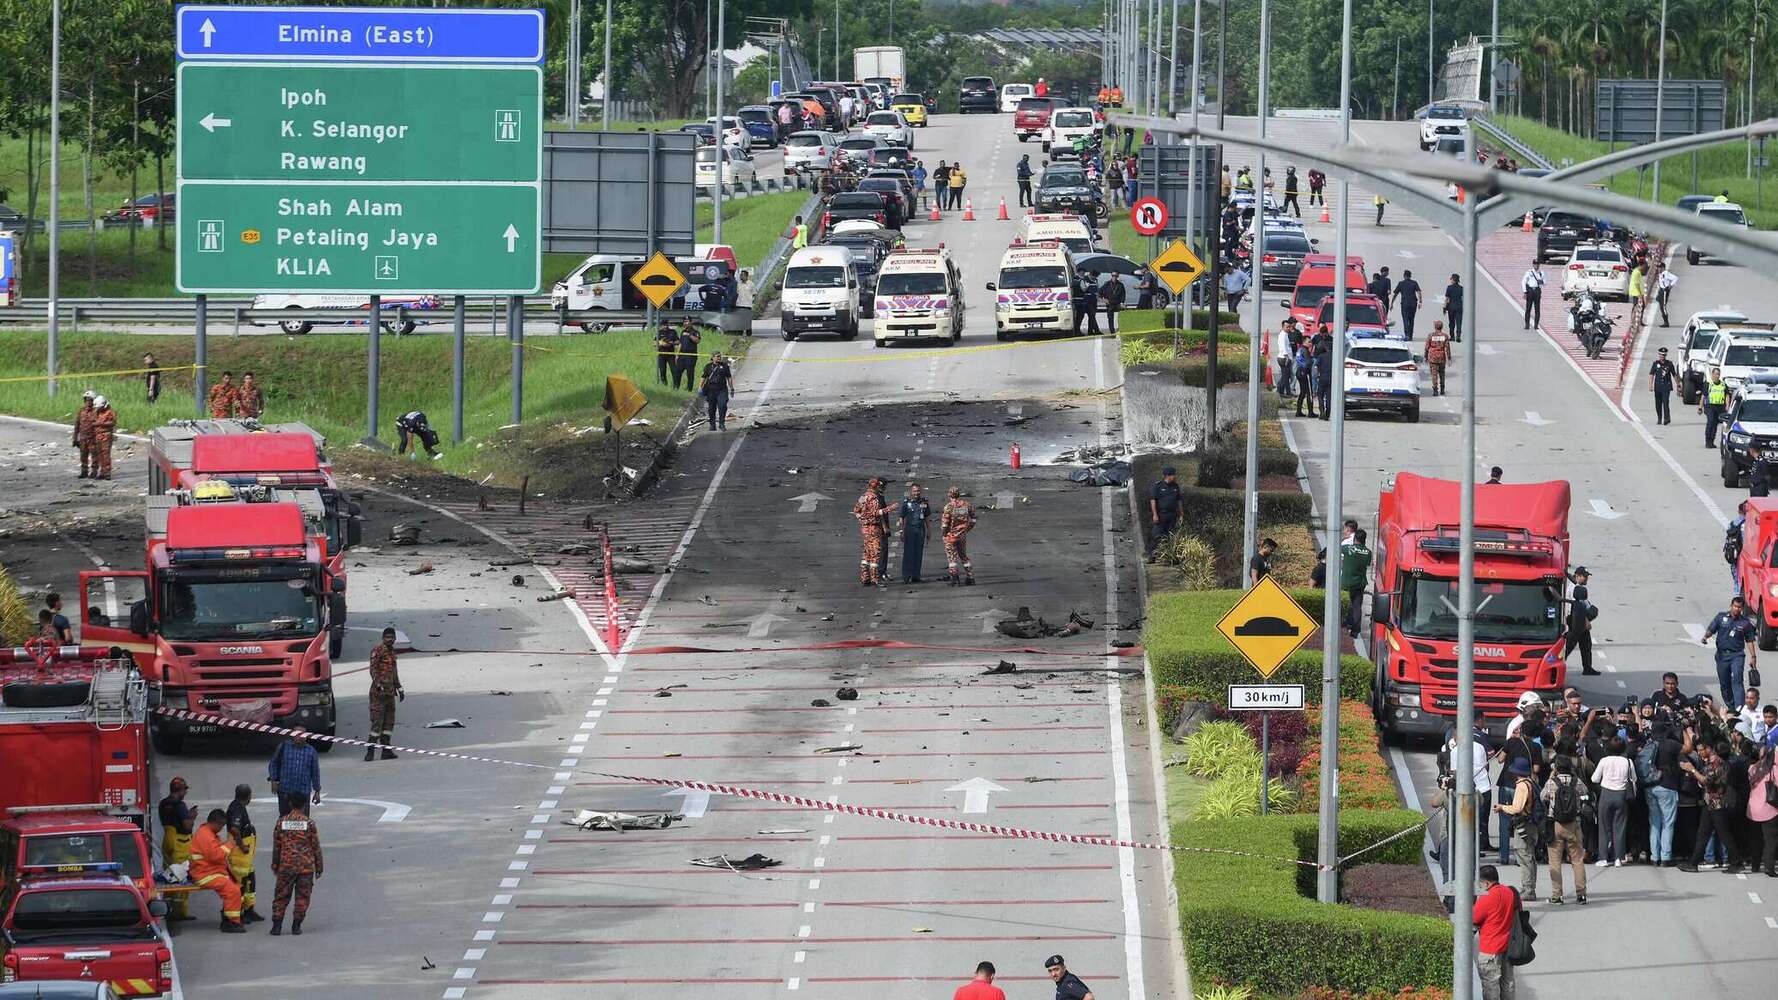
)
(230, 617)
(1521, 552)
(288, 458)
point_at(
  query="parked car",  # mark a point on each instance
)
(1012, 94)
(737, 166)
(890, 126)
(1381, 374)
(762, 121)
(734, 131)
(1561, 232)
(895, 195)
(1725, 213)
(1695, 339)
(912, 107)
(872, 205)
(977, 94)
(1128, 274)
(705, 132)
(809, 150)
(1600, 268)
(149, 206)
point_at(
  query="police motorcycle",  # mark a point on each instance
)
(1588, 322)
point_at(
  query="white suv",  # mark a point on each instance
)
(1743, 351)
(890, 126)
(1067, 125)
(1725, 213)
(1694, 349)
(1443, 121)
(1381, 374)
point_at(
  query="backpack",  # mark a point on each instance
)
(1648, 774)
(1731, 544)
(1566, 808)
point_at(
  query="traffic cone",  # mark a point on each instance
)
(1003, 216)
(934, 216)
(969, 210)
(1527, 226)
(1325, 217)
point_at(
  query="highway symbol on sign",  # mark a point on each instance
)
(1177, 266)
(1149, 216)
(1266, 626)
(658, 280)
(1265, 697)
(506, 126)
(209, 236)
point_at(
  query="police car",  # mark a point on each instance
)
(1381, 373)
(1695, 339)
(1743, 351)
(1752, 419)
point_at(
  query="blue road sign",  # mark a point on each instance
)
(777, 89)
(360, 34)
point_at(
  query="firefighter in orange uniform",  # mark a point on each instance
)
(956, 522)
(209, 869)
(104, 430)
(83, 432)
(385, 691)
(296, 857)
(873, 526)
(222, 397)
(249, 400)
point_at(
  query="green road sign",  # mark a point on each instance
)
(303, 122)
(367, 239)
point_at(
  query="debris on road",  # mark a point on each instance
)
(445, 724)
(1003, 667)
(1024, 626)
(518, 580)
(404, 534)
(821, 703)
(846, 694)
(621, 564)
(574, 549)
(1110, 472)
(663, 694)
(559, 595)
(420, 570)
(783, 830)
(841, 748)
(592, 819)
(750, 863)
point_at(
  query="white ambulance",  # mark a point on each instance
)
(1071, 231)
(919, 295)
(1035, 291)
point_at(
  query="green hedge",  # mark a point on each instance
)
(1184, 647)
(1226, 464)
(1255, 922)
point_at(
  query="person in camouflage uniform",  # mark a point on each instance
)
(83, 435)
(296, 857)
(385, 690)
(873, 526)
(222, 397)
(249, 400)
(955, 523)
(104, 432)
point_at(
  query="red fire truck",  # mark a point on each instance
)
(231, 616)
(77, 892)
(1521, 553)
(288, 458)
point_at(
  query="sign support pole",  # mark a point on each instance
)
(374, 363)
(200, 380)
(515, 326)
(1265, 763)
(1250, 487)
(457, 333)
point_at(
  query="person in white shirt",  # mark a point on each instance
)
(1616, 778)
(846, 109)
(1532, 284)
(744, 301)
(1748, 717)
(1664, 290)
(1484, 785)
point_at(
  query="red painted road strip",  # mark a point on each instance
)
(1022, 779)
(660, 906)
(941, 807)
(641, 982)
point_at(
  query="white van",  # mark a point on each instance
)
(1057, 227)
(1012, 94)
(1035, 292)
(919, 295)
(819, 292)
(602, 281)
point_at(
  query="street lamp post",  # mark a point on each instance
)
(1173, 65)
(1250, 489)
(55, 192)
(1430, 93)
(605, 100)
(1660, 88)
(1222, 47)
(721, 143)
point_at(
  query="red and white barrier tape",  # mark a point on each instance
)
(800, 802)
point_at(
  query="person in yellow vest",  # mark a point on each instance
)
(1712, 403)
(176, 821)
(209, 869)
(1638, 276)
(241, 851)
(957, 181)
(799, 234)
(1117, 97)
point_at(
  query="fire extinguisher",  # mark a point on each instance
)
(1015, 454)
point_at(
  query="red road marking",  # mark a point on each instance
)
(1022, 779)
(791, 905)
(645, 982)
(886, 807)
(959, 902)
(1089, 976)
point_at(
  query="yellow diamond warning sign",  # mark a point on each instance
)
(1266, 625)
(1177, 266)
(658, 280)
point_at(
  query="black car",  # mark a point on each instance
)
(868, 250)
(1561, 232)
(979, 94)
(705, 132)
(894, 196)
(1066, 188)
(872, 205)
(890, 156)
(1283, 256)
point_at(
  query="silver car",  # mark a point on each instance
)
(809, 150)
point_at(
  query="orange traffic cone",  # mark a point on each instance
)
(1324, 216)
(1527, 226)
(1003, 216)
(969, 210)
(934, 216)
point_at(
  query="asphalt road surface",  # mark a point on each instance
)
(480, 888)
(1647, 521)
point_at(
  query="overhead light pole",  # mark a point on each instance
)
(1660, 94)
(1250, 490)
(721, 142)
(55, 188)
(605, 103)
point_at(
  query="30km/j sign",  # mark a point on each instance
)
(359, 150)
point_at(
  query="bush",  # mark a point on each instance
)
(1194, 557)
(1366, 779)
(1236, 793)
(1225, 466)
(1224, 993)
(1288, 731)
(1219, 748)
(1271, 935)
(1185, 649)
(17, 623)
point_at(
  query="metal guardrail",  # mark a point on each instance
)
(393, 318)
(1524, 153)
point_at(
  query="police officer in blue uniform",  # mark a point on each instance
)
(1732, 629)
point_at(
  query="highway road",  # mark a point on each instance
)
(729, 673)
(1647, 522)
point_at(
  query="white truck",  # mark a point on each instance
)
(883, 62)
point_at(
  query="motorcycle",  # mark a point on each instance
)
(1598, 334)
(1583, 309)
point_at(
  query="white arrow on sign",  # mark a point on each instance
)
(696, 803)
(393, 812)
(975, 793)
(208, 30)
(1535, 419)
(989, 617)
(809, 502)
(211, 123)
(1603, 509)
(511, 236)
(762, 626)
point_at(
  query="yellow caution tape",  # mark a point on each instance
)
(163, 369)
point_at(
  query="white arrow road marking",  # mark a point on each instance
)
(208, 30)
(1603, 509)
(393, 812)
(511, 236)
(975, 793)
(211, 123)
(989, 617)
(762, 626)
(1535, 419)
(1407, 254)
(696, 803)
(1486, 350)
(810, 501)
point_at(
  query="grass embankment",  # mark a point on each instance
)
(1722, 167)
(319, 381)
